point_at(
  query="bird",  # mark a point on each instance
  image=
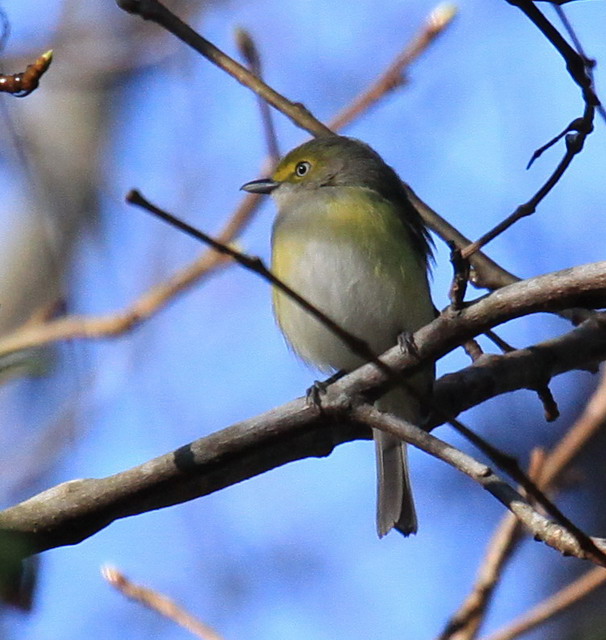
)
(348, 239)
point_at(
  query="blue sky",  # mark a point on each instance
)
(294, 554)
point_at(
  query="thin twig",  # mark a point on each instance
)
(575, 64)
(573, 126)
(473, 350)
(574, 145)
(550, 406)
(589, 63)
(510, 466)
(159, 603)
(563, 538)
(551, 410)
(503, 345)
(576, 439)
(553, 605)
(436, 23)
(466, 621)
(250, 53)
(158, 13)
(460, 277)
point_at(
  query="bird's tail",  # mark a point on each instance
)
(395, 504)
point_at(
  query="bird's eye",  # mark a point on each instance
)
(302, 169)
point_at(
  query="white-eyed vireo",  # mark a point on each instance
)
(348, 239)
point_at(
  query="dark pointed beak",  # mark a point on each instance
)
(264, 185)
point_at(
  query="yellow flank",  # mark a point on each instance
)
(352, 257)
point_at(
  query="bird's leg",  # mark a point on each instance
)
(318, 388)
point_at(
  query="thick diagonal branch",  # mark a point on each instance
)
(75, 510)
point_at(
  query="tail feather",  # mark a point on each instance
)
(395, 505)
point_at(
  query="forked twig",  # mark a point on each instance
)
(560, 537)
(512, 468)
(574, 145)
(577, 67)
(158, 13)
(465, 623)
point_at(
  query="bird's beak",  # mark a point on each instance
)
(264, 185)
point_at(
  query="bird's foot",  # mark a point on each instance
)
(407, 344)
(314, 394)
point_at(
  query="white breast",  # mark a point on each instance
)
(357, 287)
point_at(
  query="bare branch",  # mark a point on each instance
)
(158, 13)
(548, 531)
(584, 429)
(436, 23)
(70, 327)
(75, 510)
(465, 623)
(574, 145)
(557, 603)
(250, 53)
(159, 603)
